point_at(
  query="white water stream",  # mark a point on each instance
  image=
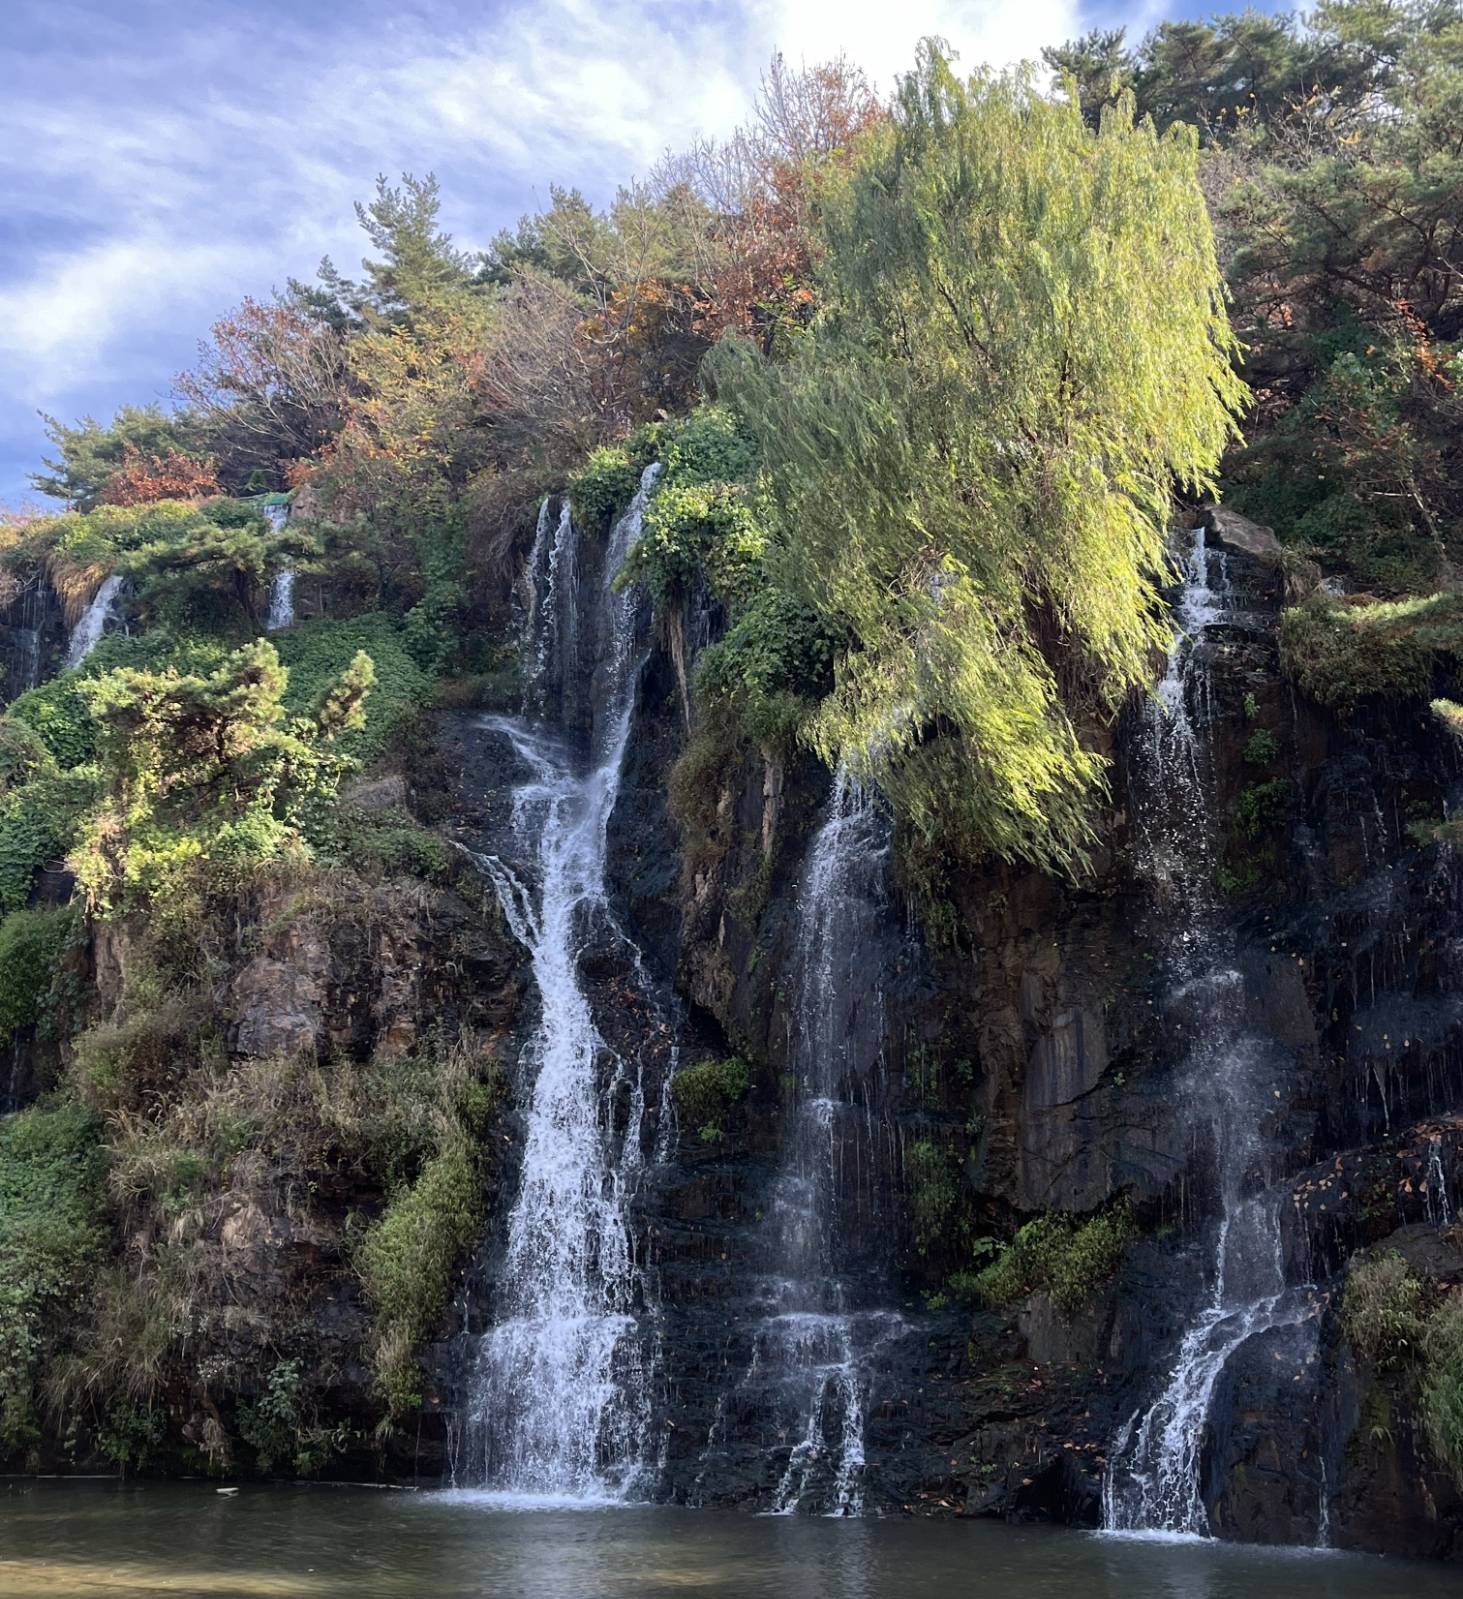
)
(1155, 1478)
(282, 588)
(87, 633)
(560, 1401)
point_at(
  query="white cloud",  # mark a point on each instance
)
(159, 180)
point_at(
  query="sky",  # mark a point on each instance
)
(160, 159)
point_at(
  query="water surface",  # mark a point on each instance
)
(66, 1541)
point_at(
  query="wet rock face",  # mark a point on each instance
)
(32, 636)
(1050, 1036)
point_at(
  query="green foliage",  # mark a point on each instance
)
(699, 529)
(23, 754)
(38, 824)
(130, 1434)
(276, 1425)
(1442, 1383)
(207, 771)
(1263, 806)
(88, 453)
(50, 1233)
(705, 1092)
(1067, 1258)
(1383, 1309)
(772, 667)
(604, 485)
(1345, 653)
(970, 456)
(318, 653)
(407, 1259)
(1261, 748)
(31, 942)
(934, 1194)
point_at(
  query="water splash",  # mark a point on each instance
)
(1230, 1079)
(87, 633)
(560, 1392)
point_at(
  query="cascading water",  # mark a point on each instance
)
(1439, 1206)
(1230, 1081)
(814, 1345)
(559, 1401)
(87, 633)
(282, 588)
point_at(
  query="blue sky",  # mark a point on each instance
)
(159, 159)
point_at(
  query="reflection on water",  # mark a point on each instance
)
(60, 1541)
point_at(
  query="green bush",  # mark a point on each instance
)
(1442, 1383)
(604, 485)
(1382, 1309)
(711, 530)
(407, 1259)
(1261, 748)
(38, 823)
(23, 754)
(1263, 806)
(31, 942)
(316, 653)
(705, 1092)
(771, 668)
(1344, 652)
(50, 1233)
(1067, 1258)
(709, 446)
(934, 1193)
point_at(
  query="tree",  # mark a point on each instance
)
(206, 777)
(88, 455)
(970, 458)
(271, 386)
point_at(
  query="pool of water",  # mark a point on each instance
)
(65, 1541)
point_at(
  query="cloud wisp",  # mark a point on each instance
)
(162, 160)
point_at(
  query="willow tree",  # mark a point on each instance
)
(971, 454)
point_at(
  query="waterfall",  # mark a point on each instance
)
(1435, 1188)
(282, 587)
(559, 1393)
(87, 633)
(825, 1235)
(1230, 1081)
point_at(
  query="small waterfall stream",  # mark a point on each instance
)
(282, 587)
(559, 1401)
(87, 633)
(824, 1251)
(1230, 1081)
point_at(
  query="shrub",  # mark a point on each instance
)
(772, 667)
(1382, 1311)
(604, 485)
(50, 1232)
(695, 530)
(407, 1259)
(31, 942)
(705, 1092)
(1261, 748)
(1263, 806)
(1068, 1258)
(38, 823)
(934, 1193)
(1442, 1384)
(1344, 652)
(23, 754)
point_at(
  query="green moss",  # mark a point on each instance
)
(705, 1092)
(1067, 1258)
(407, 1259)
(1343, 653)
